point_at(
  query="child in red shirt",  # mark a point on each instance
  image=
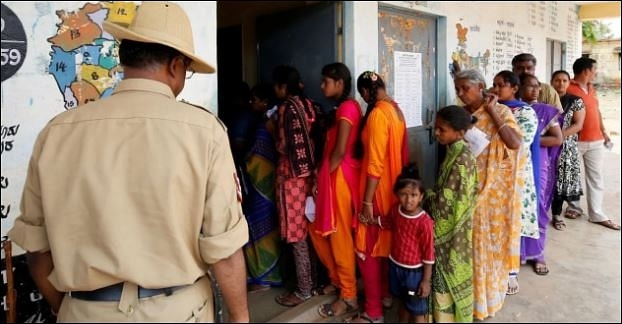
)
(412, 249)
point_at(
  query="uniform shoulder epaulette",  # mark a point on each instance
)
(195, 105)
(206, 110)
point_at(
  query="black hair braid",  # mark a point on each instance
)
(373, 95)
(337, 71)
(344, 96)
(331, 116)
(347, 88)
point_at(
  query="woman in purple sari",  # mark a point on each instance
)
(550, 140)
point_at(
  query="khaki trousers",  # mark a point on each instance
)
(189, 305)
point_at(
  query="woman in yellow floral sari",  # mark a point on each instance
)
(496, 220)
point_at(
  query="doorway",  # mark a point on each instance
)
(230, 74)
(254, 37)
(305, 38)
(413, 33)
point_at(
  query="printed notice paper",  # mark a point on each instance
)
(408, 86)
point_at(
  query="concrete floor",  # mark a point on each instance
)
(583, 284)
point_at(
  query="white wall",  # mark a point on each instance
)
(32, 96)
(202, 89)
(502, 29)
(516, 27)
(361, 38)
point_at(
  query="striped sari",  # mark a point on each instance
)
(263, 251)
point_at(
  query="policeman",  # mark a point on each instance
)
(130, 200)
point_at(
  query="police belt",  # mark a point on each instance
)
(113, 292)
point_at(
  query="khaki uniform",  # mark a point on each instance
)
(136, 188)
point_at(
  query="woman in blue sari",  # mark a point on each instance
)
(263, 250)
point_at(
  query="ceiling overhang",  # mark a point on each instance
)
(594, 10)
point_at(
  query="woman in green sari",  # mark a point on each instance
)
(451, 204)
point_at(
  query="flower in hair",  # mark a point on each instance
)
(370, 75)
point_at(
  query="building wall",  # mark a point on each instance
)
(361, 36)
(607, 54)
(486, 35)
(55, 73)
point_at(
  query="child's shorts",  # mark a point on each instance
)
(404, 283)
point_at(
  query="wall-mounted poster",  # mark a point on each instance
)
(14, 43)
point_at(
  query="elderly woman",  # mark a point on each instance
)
(495, 139)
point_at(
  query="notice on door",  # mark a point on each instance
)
(408, 88)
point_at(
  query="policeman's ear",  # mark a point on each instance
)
(176, 67)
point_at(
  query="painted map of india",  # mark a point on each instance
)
(84, 60)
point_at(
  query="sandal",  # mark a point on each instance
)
(608, 224)
(571, 214)
(329, 289)
(290, 299)
(328, 310)
(364, 318)
(540, 268)
(255, 288)
(387, 302)
(558, 223)
(512, 284)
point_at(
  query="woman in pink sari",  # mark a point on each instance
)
(337, 191)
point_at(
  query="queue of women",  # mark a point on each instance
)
(450, 253)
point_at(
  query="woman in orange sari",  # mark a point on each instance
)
(496, 220)
(337, 191)
(382, 147)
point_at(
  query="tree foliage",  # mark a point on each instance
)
(594, 30)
